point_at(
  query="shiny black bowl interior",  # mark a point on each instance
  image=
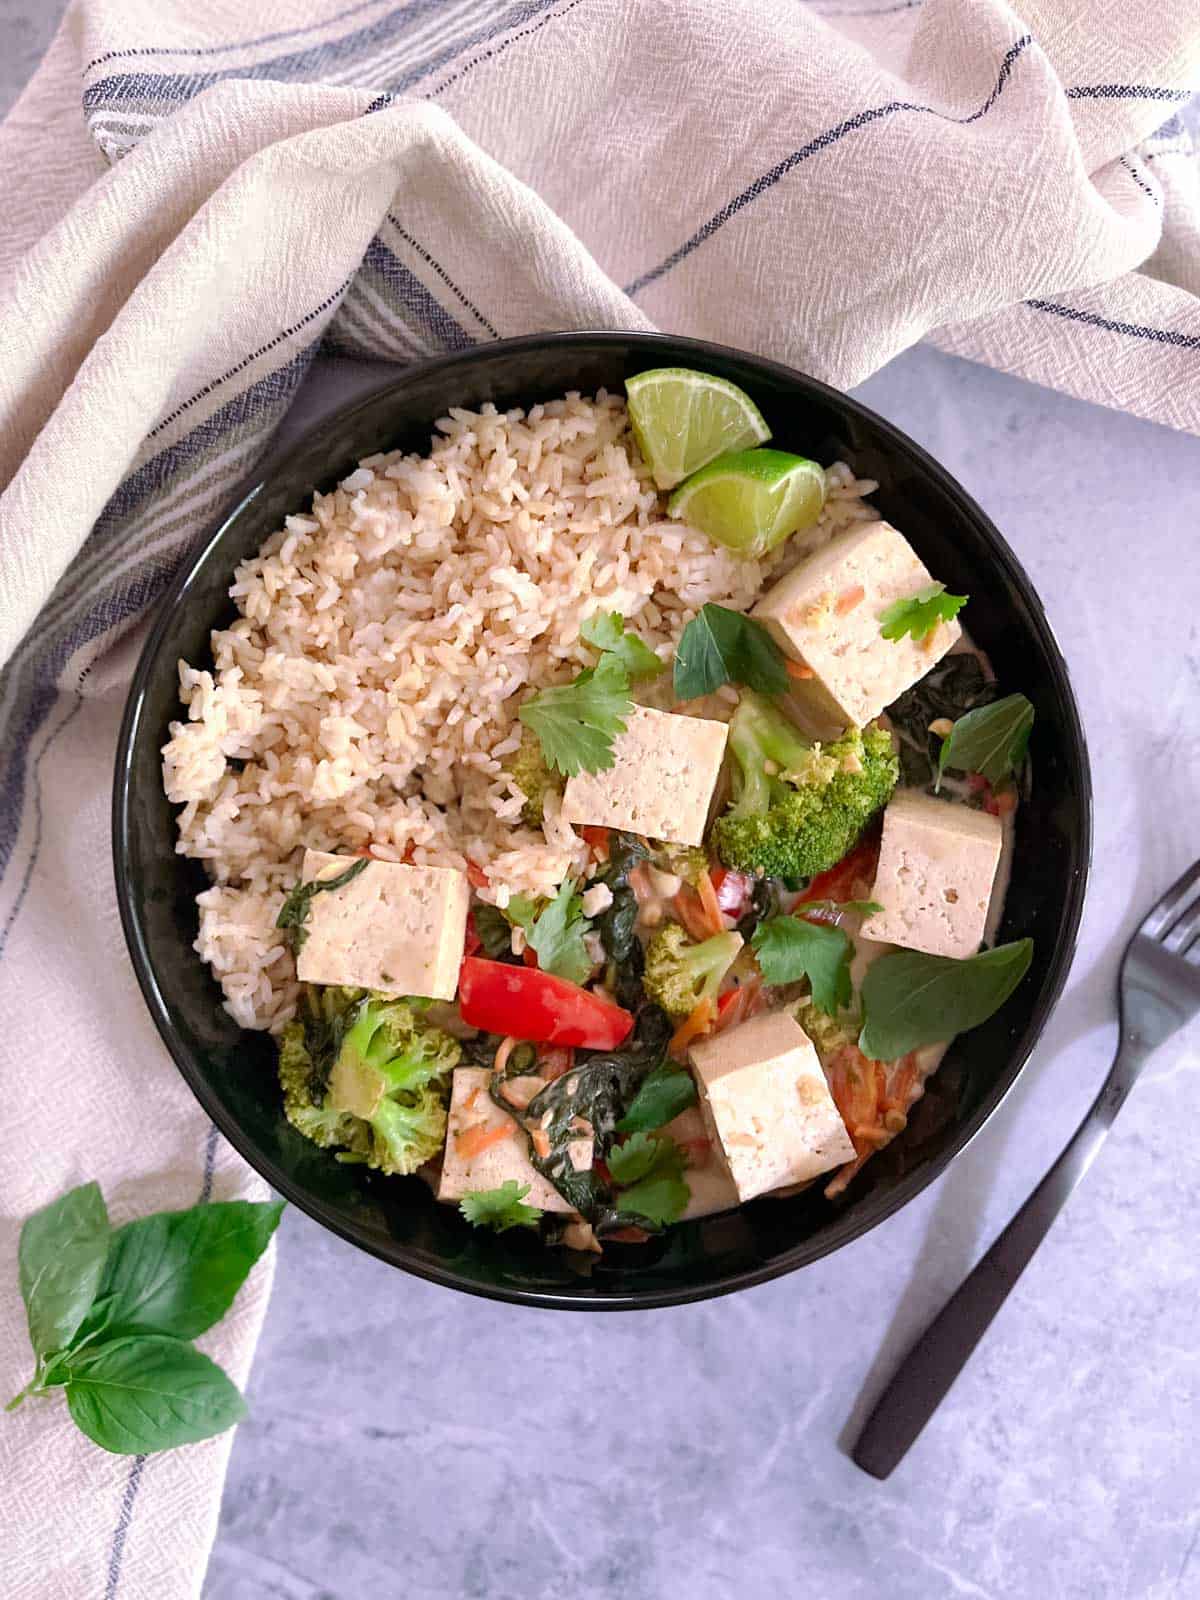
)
(231, 1071)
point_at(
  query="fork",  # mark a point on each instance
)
(1159, 992)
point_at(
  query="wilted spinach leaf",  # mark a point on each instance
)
(957, 684)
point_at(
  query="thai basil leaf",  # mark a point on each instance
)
(60, 1264)
(664, 1093)
(991, 741)
(177, 1272)
(721, 646)
(910, 1000)
(148, 1392)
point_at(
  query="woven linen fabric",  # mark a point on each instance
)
(202, 193)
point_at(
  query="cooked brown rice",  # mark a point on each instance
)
(367, 694)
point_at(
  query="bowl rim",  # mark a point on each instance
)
(849, 1226)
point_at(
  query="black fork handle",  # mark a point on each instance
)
(924, 1377)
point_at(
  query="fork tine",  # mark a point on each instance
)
(1172, 904)
(1184, 931)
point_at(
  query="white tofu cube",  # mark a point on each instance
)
(665, 768)
(474, 1115)
(392, 927)
(825, 614)
(937, 865)
(769, 1104)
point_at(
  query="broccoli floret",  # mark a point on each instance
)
(797, 809)
(829, 1034)
(689, 862)
(368, 1078)
(528, 770)
(680, 974)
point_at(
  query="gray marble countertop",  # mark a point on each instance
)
(392, 1449)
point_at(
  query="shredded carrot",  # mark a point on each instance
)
(709, 904)
(690, 912)
(473, 1141)
(797, 670)
(540, 1140)
(476, 876)
(697, 1023)
(849, 599)
(503, 1050)
(471, 1098)
(736, 1005)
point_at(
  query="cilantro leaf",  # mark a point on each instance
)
(788, 948)
(576, 722)
(501, 1208)
(666, 1092)
(556, 933)
(721, 646)
(920, 614)
(631, 1161)
(649, 1174)
(607, 632)
(991, 740)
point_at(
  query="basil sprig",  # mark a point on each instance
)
(111, 1312)
(910, 1000)
(990, 740)
(722, 646)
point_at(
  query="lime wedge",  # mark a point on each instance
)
(750, 501)
(683, 419)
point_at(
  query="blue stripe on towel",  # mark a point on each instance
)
(1139, 180)
(491, 54)
(413, 300)
(35, 847)
(1134, 330)
(239, 44)
(419, 249)
(124, 1517)
(169, 89)
(300, 65)
(1126, 91)
(161, 470)
(822, 142)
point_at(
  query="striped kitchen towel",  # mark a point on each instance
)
(201, 193)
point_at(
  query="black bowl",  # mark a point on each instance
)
(231, 1072)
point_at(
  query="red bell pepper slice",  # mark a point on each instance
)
(857, 869)
(534, 1005)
